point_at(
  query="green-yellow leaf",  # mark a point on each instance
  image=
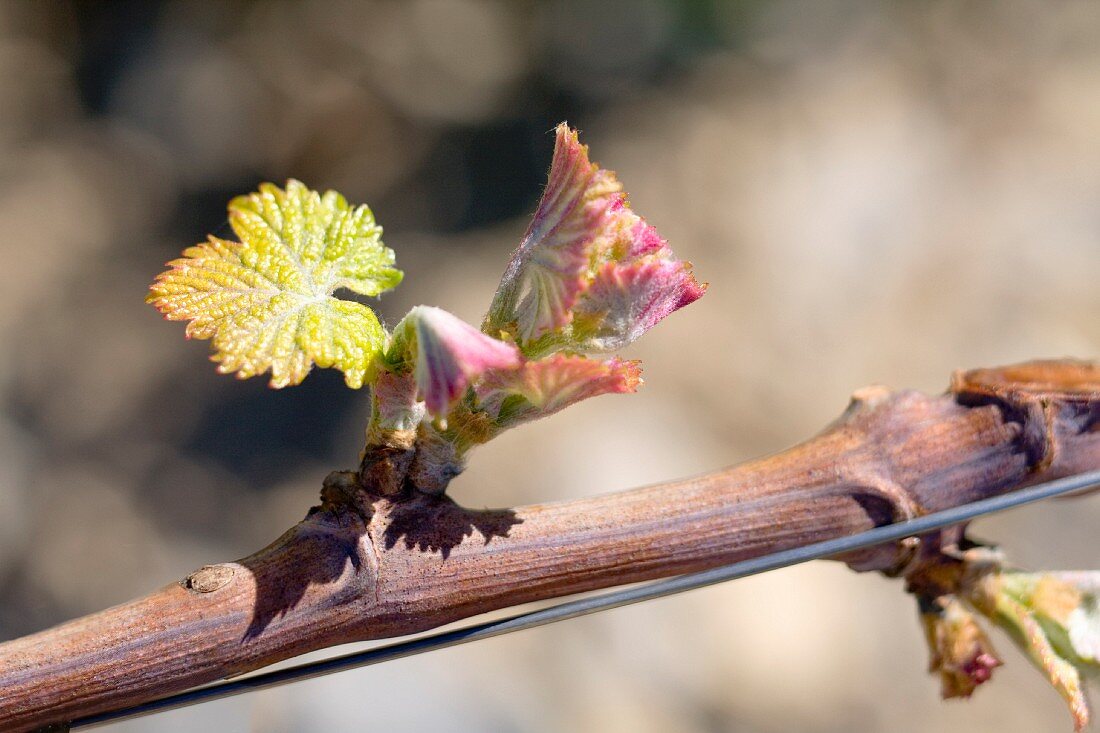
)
(266, 301)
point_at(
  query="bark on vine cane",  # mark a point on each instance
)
(368, 564)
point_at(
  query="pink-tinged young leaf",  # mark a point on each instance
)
(627, 299)
(447, 354)
(586, 257)
(552, 384)
(546, 273)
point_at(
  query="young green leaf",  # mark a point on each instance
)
(266, 301)
(1052, 617)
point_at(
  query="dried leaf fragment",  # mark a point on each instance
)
(961, 653)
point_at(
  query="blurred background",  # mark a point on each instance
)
(877, 192)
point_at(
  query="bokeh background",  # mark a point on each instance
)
(877, 192)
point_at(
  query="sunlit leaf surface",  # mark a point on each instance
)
(266, 301)
(590, 274)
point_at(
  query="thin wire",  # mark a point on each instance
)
(592, 604)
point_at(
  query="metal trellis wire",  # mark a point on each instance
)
(603, 602)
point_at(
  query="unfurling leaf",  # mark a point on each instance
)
(447, 354)
(543, 387)
(266, 301)
(626, 299)
(503, 397)
(1053, 618)
(590, 274)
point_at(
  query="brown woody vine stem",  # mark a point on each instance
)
(367, 565)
